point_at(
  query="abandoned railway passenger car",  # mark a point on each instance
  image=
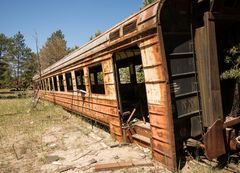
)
(154, 78)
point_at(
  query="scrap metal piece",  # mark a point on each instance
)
(214, 140)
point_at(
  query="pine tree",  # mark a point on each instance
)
(17, 55)
(30, 67)
(5, 71)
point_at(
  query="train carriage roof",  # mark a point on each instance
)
(103, 41)
(145, 19)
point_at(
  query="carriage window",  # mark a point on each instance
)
(47, 83)
(96, 79)
(69, 81)
(51, 84)
(139, 74)
(124, 75)
(55, 83)
(79, 76)
(44, 85)
(61, 85)
(41, 85)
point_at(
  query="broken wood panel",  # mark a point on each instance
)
(214, 140)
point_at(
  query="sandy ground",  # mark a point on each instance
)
(68, 144)
(49, 139)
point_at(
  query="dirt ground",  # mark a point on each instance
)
(49, 139)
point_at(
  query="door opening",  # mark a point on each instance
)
(131, 84)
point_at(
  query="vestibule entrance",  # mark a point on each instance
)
(130, 83)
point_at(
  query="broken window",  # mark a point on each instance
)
(55, 83)
(80, 83)
(139, 73)
(124, 75)
(61, 85)
(42, 87)
(51, 84)
(69, 81)
(44, 84)
(47, 84)
(96, 79)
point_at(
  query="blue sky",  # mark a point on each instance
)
(78, 19)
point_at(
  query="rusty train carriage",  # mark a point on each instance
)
(164, 62)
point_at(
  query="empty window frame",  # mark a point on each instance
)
(79, 77)
(55, 83)
(69, 81)
(51, 84)
(37, 85)
(124, 75)
(96, 79)
(61, 84)
(41, 85)
(47, 84)
(44, 85)
(139, 74)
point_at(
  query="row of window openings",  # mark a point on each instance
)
(96, 81)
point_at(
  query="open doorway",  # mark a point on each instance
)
(131, 84)
(225, 42)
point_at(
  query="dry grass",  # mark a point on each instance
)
(21, 130)
(28, 136)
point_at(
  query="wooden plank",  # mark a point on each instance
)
(214, 141)
(143, 130)
(120, 165)
(141, 138)
(216, 111)
(231, 122)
